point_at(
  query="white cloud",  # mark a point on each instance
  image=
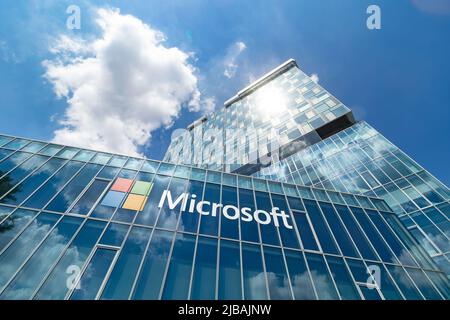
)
(209, 104)
(120, 86)
(315, 77)
(230, 60)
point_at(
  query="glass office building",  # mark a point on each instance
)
(288, 128)
(80, 224)
(361, 160)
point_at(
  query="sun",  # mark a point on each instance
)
(270, 101)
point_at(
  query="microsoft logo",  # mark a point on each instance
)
(128, 194)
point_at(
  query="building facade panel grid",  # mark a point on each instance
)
(170, 227)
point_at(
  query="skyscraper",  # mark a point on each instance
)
(80, 224)
(286, 127)
(276, 196)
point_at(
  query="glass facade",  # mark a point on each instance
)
(283, 108)
(68, 230)
(360, 160)
(318, 143)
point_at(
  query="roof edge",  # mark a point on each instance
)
(262, 80)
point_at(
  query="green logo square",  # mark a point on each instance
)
(141, 187)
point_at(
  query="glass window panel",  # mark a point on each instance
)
(386, 285)
(168, 218)
(229, 271)
(150, 212)
(117, 161)
(402, 254)
(435, 216)
(321, 195)
(341, 276)
(370, 293)
(101, 158)
(290, 190)
(322, 280)
(179, 273)
(214, 176)
(154, 266)
(166, 168)
(424, 285)
(359, 271)
(114, 234)
(355, 233)
(440, 281)
(198, 174)
(229, 228)
(4, 140)
(189, 221)
(182, 172)
(34, 146)
(260, 185)
(4, 153)
(299, 275)
(424, 241)
(67, 152)
(55, 286)
(305, 231)
(381, 205)
(295, 204)
(326, 241)
(28, 186)
(277, 277)
(150, 166)
(17, 252)
(209, 224)
(16, 144)
(249, 229)
(407, 240)
(435, 184)
(53, 185)
(122, 276)
(350, 200)
(269, 233)
(204, 274)
(339, 231)
(11, 162)
(108, 173)
(90, 197)
(21, 172)
(84, 155)
(445, 209)
(63, 200)
(404, 283)
(288, 236)
(254, 278)
(275, 187)
(375, 239)
(127, 174)
(133, 164)
(365, 203)
(32, 273)
(229, 179)
(14, 224)
(51, 150)
(437, 236)
(146, 177)
(93, 276)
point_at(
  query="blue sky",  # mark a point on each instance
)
(396, 78)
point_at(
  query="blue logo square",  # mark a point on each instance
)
(113, 199)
